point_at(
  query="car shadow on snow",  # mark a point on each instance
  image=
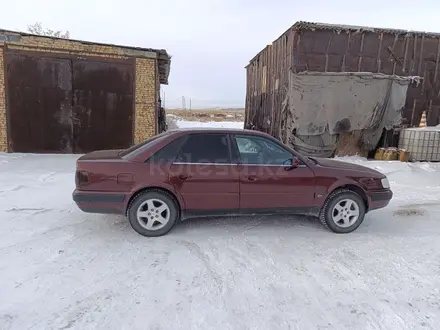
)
(276, 224)
(381, 222)
(247, 224)
(111, 224)
(386, 222)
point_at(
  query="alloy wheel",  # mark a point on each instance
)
(153, 214)
(345, 213)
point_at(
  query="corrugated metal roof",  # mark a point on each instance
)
(302, 25)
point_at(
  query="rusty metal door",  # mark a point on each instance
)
(102, 104)
(39, 103)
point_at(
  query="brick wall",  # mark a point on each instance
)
(77, 47)
(145, 100)
(3, 136)
(145, 109)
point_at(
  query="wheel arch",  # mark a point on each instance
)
(178, 200)
(356, 189)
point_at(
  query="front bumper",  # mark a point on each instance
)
(99, 202)
(379, 199)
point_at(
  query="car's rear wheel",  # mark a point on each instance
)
(153, 213)
(343, 211)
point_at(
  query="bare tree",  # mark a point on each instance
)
(37, 28)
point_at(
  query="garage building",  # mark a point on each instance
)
(68, 96)
(309, 50)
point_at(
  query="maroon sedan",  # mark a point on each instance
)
(210, 172)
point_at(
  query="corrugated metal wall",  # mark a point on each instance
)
(325, 48)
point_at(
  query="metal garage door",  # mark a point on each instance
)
(39, 103)
(68, 105)
(102, 104)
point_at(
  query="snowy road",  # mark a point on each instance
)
(63, 269)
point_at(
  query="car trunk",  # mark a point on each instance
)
(101, 154)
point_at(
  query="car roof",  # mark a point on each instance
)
(216, 130)
(171, 134)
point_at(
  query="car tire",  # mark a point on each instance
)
(153, 213)
(343, 211)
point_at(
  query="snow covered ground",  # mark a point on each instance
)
(64, 269)
(215, 124)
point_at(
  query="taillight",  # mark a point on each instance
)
(81, 177)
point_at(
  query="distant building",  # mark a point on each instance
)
(317, 47)
(69, 96)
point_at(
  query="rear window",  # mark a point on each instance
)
(169, 152)
(205, 148)
(145, 143)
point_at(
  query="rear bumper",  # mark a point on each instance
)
(379, 199)
(99, 202)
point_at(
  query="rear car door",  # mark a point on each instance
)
(267, 181)
(204, 175)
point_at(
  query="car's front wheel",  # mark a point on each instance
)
(153, 213)
(343, 211)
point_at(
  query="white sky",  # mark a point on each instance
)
(212, 40)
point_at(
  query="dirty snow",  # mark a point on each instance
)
(64, 269)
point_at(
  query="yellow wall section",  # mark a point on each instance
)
(36, 43)
(145, 110)
(3, 135)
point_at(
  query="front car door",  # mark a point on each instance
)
(205, 176)
(267, 182)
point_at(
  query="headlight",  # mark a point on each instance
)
(385, 183)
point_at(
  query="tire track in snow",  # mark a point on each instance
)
(195, 250)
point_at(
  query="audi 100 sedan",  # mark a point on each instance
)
(188, 173)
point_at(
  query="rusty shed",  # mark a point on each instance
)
(326, 48)
(69, 96)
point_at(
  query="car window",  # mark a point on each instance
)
(205, 148)
(255, 150)
(147, 142)
(246, 146)
(169, 152)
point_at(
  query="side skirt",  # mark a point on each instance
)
(312, 211)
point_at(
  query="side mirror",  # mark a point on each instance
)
(292, 163)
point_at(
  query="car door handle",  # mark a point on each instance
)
(183, 177)
(252, 178)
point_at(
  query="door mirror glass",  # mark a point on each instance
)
(292, 163)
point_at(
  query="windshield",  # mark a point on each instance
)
(142, 144)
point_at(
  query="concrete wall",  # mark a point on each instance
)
(146, 72)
